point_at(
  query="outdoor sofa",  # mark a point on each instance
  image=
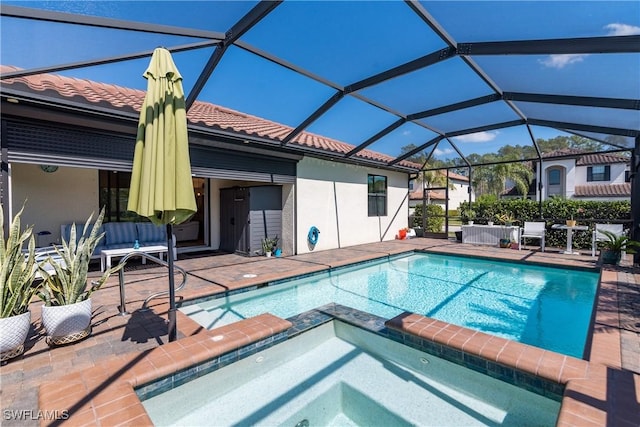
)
(122, 235)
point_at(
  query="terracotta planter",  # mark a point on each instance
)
(571, 223)
(13, 333)
(67, 323)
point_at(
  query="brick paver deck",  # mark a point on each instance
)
(93, 379)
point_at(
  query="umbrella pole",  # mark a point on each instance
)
(172, 292)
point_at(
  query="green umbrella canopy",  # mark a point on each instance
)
(161, 186)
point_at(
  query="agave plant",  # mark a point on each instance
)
(67, 283)
(17, 277)
(619, 243)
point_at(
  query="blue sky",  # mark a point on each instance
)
(345, 41)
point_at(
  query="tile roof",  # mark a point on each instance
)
(204, 113)
(563, 152)
(603, 190)
(433, 194)
(601, 159)
(588, 159)
(591, 190)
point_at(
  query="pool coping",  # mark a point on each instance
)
(109, 389)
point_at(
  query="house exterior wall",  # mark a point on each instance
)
(333, 197)
(577, 175)
(616, 174)
(64, 196)
(459, 194)
(569, 166)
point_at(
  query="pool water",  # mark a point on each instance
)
(542, 306)
(340, 375)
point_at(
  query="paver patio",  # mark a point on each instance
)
(614, 385)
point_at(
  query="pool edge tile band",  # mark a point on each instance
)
(374, 324)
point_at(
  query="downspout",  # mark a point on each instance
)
(424, 204)
(446, 206)
(635, 197)
(540, 187)
(4, 179)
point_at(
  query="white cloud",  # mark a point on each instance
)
(614, 29)
(561, 61)
(406, 133)
(477, 137)
(622, 29)
(439, 152)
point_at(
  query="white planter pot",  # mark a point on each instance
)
(67, 323)
(13, 333)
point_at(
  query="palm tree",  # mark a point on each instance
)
(493, 179)
(518, 173)
(433, 179)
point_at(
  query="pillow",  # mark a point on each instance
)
(120, 232)
(66, 232)
(148, 232)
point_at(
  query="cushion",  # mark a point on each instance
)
(66, 233)
(120, 233)
(148, 232)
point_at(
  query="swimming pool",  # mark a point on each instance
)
(338, 374)
(543, 306)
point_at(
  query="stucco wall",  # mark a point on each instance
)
(64, 196)
(459, 194)
(333, 197)
(616, 175)
(569, 177)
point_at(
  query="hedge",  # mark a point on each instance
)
(555, 211)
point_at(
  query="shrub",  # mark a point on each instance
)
(435, 218)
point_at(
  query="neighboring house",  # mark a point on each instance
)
(67, 148)
(597, 177)
(458, 193)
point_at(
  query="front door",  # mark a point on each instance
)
(234, 218)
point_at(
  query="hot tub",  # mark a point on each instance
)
(338, 374)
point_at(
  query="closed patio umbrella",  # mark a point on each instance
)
(161, 186)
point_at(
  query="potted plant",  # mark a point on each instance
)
(614, 245)
(469, 216)
(506, 218)
(66, 314)
(17, 279)
(269, 245)
(572, 222)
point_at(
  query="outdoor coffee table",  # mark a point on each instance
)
(107, 254)
(569, 250)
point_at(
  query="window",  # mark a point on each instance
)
(114, 194)
(555, 181)
(377, 195)
(627, 176)
(555, 177)
(598, 173)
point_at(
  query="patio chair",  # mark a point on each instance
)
(532, 230)
(598, 236)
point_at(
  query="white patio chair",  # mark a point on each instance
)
(616, 229)
(532, 230)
